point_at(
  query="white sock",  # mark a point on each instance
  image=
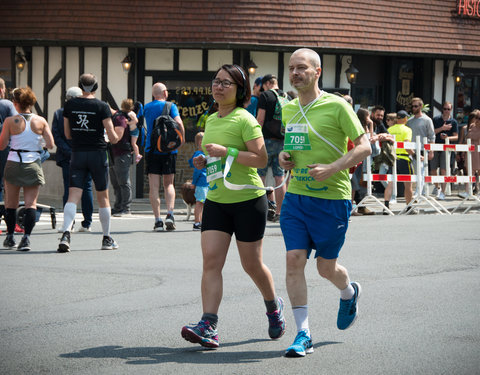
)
(69, 212)
(300, 314)
(104, 216)
(347, 293)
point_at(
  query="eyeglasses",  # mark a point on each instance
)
(416, 106)
(447, 109)
(225, 84)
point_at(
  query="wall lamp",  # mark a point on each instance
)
(457, 73)
(351, 72)
(127, 63)
(20, 61)
(251, 67)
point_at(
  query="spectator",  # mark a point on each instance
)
(378, 112)
(200, 182)
(421, 125)
(127, 108)
(391, 119)
(161, 164)
(26, 133)
(63, 156)
(268, 101)
(445, 127)
(474, 135)
(256, 91)
(402, 133)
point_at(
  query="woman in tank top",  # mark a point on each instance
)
(27, 134)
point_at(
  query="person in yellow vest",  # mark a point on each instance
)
(402, 133)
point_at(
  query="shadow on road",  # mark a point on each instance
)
(197, 354)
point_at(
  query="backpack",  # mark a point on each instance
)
(275, 126)
(166, 134)
(142, 133)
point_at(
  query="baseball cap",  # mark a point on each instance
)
(267, 77)
(402, 114)
(73, 92)
(258, 81)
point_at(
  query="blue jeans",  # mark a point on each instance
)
(274, 147)
(87, 195)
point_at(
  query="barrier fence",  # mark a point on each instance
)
(421, 195)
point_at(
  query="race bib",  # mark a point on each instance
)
(214, 168)
(296, 137)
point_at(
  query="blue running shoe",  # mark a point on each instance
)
(276, 321)
(348, 311)
(301, 345)
(202, 334)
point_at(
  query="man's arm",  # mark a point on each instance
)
(179, 121)
(66, 128)
(58, 134)
(112, 135)
(261, 116)
(362, 149)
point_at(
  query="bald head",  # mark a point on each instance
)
(310, 55)
(159, 91)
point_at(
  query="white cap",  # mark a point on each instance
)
(73, 92)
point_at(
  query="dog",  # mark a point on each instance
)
(188, 195)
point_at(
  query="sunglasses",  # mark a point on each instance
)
(447, 109)
(416, 106)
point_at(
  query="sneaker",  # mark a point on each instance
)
(463, 194)
(202, 334)
(9, 242)
(24, 244)
(197, 226)
(64, 245)
(348, 310)
(121, 213)
(365, 211)
(19, 229)
(435, 191)
(272, 208)
(85, 229)
(170, 222)
(158, 227)
(441, 196)
(108, 243)
(276, 321)
(301, 345)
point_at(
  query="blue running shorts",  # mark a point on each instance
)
(314, 223)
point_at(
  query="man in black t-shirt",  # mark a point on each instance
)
(273, 138)
(85, 121)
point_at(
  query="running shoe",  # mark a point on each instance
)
(272, 208)
(85, 229)
(435, 192)
(463, 194)
(276, 321)
(202, 334)
(301, 345)
(24, 244)
(158, 227)
(19, 229)
(197, 226)
(170, 222)
(9, 242)
(441, 196)
(64, 245)
(348, 310)
(108, 243)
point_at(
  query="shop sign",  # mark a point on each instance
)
(404, 84)
(469, 8)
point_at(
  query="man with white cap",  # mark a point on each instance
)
(62, 157)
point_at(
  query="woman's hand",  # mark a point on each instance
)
(285, 161)
(216, 150)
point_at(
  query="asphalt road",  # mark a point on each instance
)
(121, 312)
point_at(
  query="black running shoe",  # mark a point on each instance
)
(24, 244)
(9, 242)
(64, 245)
(108, 243)
(158, 227)
(170, 222)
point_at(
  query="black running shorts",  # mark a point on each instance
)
(161, 163)
(93, 162)
(246, 219)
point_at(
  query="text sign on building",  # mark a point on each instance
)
(469, 8)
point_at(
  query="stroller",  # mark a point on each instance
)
(21, 213)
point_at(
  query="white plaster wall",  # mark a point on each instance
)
(328, 71)
(117, 77)
(38, 67)
(190, 60)
(267, 62)
(158, 59)
(148, 89)
(93, 65)
(217, 58)
(343, 77)
(72, 72)
(286, 79)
